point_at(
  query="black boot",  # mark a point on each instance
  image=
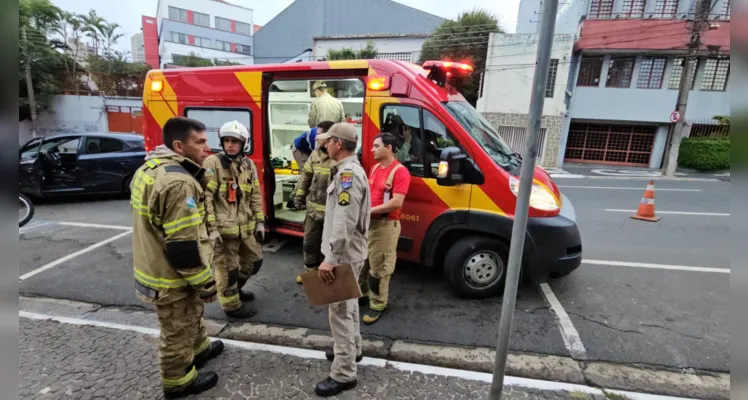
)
(331, 356)
(244, 311)
(204, 381)
(213, 351)
(246, 296)
(331, 387)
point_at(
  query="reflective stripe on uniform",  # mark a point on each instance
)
(228, 300)
(183, 381)
(307, 167)
(260, 217)
(153, 163)
(229, 231)
(245, 188)
(143, 210)
(315, 206)
(183, 223)
(212, 185)
(322, 171)
(204, 345)
(300, 192)
(256, 182)
(248, 228)
(211, 218)
(159, 283)
(198, 279)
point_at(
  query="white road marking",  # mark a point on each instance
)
(567, 176)
(32, 225)
(273, 245)
(656, 266)
(628, 188)
(708, 214)
(569, 334)
(86, 225)
(73, 255)
(377, 362)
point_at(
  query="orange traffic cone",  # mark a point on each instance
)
(646, 209)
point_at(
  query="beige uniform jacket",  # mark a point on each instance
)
(172, 253)
(326, 108)
(315, 178)
(239, 218)
(347, 214)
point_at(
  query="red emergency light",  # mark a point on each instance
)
(441, 71)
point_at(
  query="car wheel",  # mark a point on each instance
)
(476, 267)
(126, 185)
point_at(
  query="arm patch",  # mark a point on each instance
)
(184, 254)
(344, 198)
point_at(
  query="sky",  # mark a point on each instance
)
(128, 13)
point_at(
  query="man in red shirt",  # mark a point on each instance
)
(388, 182)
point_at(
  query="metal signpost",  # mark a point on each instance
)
(537, 99)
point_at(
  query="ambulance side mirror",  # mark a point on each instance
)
(449, 171)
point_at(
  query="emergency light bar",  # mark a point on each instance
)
(441, 71)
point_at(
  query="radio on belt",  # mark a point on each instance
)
(232, 191)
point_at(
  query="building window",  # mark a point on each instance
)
(651, 72)
(716, 71)
(589, 71)
(406, 57)
(179, 37)
(620, 71)
(677, 72)
(202, 42)
(601, 9)
(242, 28)
(244, 49)
(221, 45)
(726, 9)
(177, 14)
(666, 8)
(550, 83)
(202, 19)
(223, 24)
(633, 8)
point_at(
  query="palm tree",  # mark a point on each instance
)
(108, 36)
(92, 27)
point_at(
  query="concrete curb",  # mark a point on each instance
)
(647, 379)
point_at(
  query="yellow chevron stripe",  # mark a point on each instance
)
(252, 82)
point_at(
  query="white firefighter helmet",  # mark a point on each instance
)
(237, 130)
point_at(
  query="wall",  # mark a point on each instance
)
(168, 47)
(384, 45)
(137, 47)
(646, 105)
(293, 29)
(150, 41)
(75, 114)
(552, 124)
(507, 83)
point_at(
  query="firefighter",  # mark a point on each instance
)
(388, 183)
(312, 195)
(172, 254)
(303, 147)
(347, 215)
(324, 107)
(235, 219)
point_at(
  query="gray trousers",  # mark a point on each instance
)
(346, 332)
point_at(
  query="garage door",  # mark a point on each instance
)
(610, 144)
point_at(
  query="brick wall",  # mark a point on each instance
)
(552, 125)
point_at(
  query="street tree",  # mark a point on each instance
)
(367, 53)
(114, 75)
(463, 40)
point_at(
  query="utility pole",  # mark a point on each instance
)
(701, 15)
(29, 84)
(527, 171)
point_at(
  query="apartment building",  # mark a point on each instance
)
(624, 72)
(210, 29)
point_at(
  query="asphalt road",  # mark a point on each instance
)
(663, 317)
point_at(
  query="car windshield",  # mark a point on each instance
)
(483, 133)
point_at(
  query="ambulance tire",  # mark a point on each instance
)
(475, 267)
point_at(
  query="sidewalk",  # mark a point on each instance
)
(622, 172)
(60, 360)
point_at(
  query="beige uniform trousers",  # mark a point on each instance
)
(183, 336)
(346, 332)
(375, 278)
(235, 261)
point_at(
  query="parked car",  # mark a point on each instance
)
(80, 163)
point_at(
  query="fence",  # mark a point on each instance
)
(707, 128)
(516, 138)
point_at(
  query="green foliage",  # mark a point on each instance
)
(722, 119)
(219, 63)
(115, 76)
(367, 53)
(463, 40)
(705, 154)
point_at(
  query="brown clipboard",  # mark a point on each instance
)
(343, 287)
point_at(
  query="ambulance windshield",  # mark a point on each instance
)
(483, 133)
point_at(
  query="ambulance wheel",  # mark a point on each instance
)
(475, 267)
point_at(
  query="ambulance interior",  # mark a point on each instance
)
(289, 103)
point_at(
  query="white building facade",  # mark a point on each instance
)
(210, 29)
(137, 47)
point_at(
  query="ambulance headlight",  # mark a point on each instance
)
(540, 197)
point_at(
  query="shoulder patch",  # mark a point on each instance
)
(191, 202)
(346, 179)
(344, 198)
